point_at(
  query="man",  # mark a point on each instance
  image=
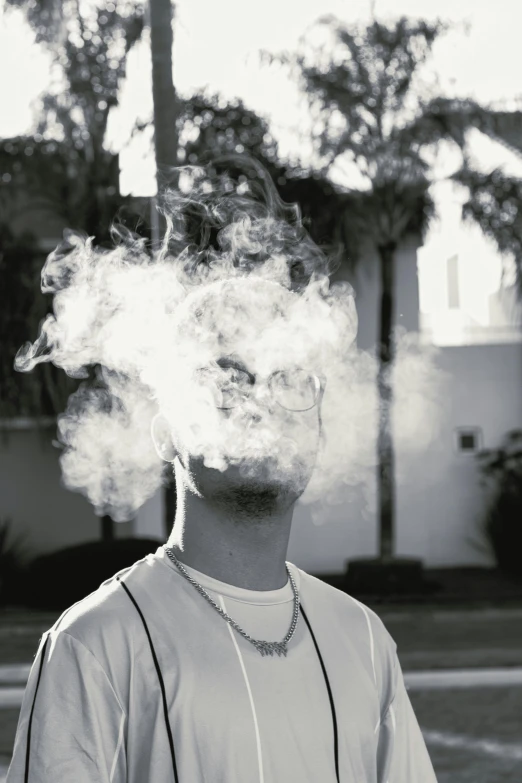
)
(214, 659)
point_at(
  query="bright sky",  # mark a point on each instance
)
(216, 46)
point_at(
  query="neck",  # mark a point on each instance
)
(244, 552)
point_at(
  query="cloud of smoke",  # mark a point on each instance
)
(236, 272)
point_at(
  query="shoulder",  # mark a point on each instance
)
(342, 601)
(100, 639)
(366, 631)
(106, 622)
(361, 615)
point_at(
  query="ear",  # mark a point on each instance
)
(162, 438)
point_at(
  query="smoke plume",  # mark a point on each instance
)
(236, 272)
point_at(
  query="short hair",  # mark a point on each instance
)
(230, 214)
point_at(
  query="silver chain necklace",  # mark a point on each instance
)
(265, 648)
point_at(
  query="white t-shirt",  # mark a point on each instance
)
(144, 682)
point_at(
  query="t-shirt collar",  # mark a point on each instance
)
(279, 596)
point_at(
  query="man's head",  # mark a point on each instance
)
(244, 421)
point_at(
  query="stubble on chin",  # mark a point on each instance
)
(250, 502)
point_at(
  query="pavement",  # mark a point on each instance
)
(438, 639)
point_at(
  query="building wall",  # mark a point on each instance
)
(444, 489)
(439, 500)
(31, 493)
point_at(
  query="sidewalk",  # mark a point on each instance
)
(431, 639)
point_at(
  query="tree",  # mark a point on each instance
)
(370, 111)
(89, 45)
(45, 393)
(494, 204)
(164, 96)
(62, 168)
(165, 144)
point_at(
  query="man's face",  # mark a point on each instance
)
(246, 403)
(268, 451)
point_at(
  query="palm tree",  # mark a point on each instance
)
(370, 114)
(160, 13)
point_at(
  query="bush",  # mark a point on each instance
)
(502, 525)
(57, 580)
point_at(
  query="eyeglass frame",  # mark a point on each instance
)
(265, 381)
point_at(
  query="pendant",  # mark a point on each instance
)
(268, 648)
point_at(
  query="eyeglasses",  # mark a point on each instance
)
(295, 390)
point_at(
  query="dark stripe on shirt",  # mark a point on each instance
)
(28, 748)
(332, 707)
(160, 678)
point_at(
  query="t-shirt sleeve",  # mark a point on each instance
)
(402, 756)
(71, 724)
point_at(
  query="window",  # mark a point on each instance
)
(468, 440)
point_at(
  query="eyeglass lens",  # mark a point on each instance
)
(296, 390)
